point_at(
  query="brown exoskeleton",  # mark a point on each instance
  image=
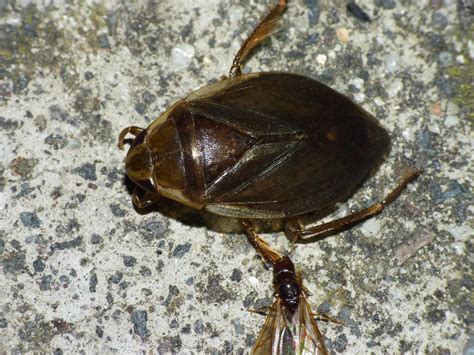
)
(260, 146)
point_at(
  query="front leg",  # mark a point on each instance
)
(134, 130)
(143, 199)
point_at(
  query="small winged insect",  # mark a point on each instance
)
(260, 146)
(290, 326)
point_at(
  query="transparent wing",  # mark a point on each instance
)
(310, 339)
(269, 338)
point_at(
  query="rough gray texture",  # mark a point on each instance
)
(82, 271)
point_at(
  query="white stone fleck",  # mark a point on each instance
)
(451, 121)
(253, 281)
(434, 128)
(460, 233)
(409, 133)
(182, 55)
(378, 101)
(391, 62)
(460, 59)
(470, 46)
(371, 227)
(394, 88)
(458, 247)
(359, 97)
(321, 59)
(357, 82)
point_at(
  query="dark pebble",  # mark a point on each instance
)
(228, 347)
(3, 323)
(14, 263)
(25, 190)
(22, 82)
(139, 319)
(238, 327)
(117, 211)
(186, 329)
(8, 125)
(116, 278)
(147, 292)
(198, 326)
(96, 239)
(87, 171)
(30, 219)
(103, 41)
(71, 225)
(436, 316)
(386, 4)
(93, 283)
(153, 228)
(144, 271)
(313, 11)
(174, 324)
(99, 331)
(38, 265)
(129, 260)
(67, 245)
(169, 345)
(140, 108)
(56, 141)
(236, 275)
(160, 264)
(181, 249)
(88, 75)
(356, 11)
(45, 283)
(340, 344)
(439, 21)
(250, 339)
(58, 113)
(454, 189)
(63, 279)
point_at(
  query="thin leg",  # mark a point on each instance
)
(325, 317)
(263, 30)
(293, 231)
(265, 250)
(260, 310)
(134, 130)
(337, 225)
(143, 199)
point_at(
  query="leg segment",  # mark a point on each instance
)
(134, 130)
(261, 310)
(325, 317)
(143, 199)
(263, 30)
(298, 234)
(265, 250)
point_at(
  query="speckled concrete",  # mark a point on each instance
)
(82, 271)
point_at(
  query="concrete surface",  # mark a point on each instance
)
(83, 272)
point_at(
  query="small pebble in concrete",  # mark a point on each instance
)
(371, 227)
(38, 265)
(139, 319)
(87, 171)
(182, 55)
(30, 219)
(129, 261)
(181, 250)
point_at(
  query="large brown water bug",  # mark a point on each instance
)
(260, 146)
